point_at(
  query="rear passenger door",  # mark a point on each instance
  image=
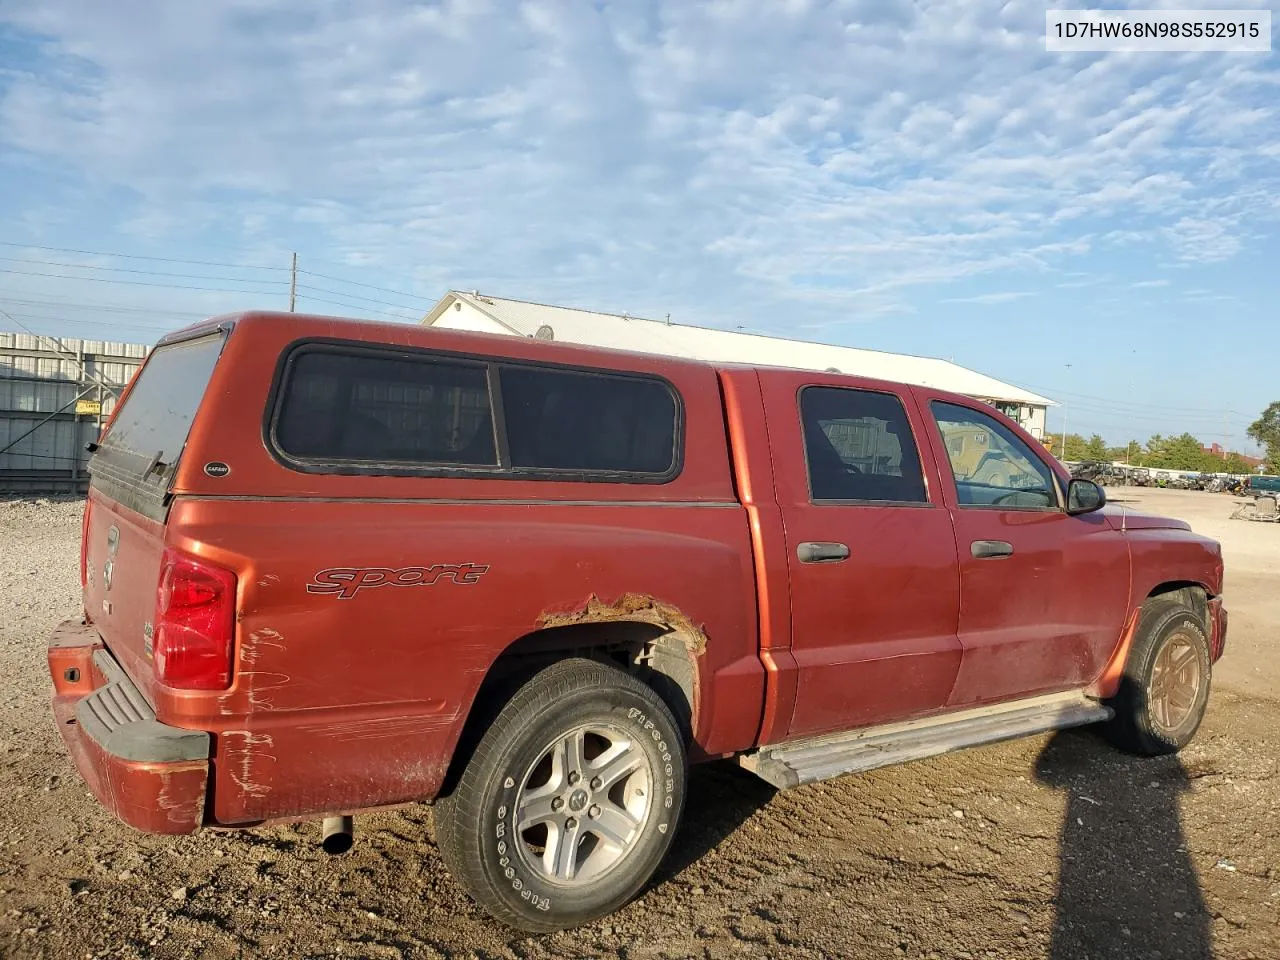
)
(871, 554)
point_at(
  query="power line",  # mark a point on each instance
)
(355, 296)
(1124, 403)
(121, 324)
(40, 456)
(146, 283)
(103, 307)
(64, 351)
(145, 273)
(350, 306)
(138, 256)
(1147, 415)
(370, 286)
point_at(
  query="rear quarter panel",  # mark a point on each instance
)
(346, 702)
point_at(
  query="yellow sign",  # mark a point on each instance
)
(88, 407)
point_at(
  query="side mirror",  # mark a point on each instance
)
(1084, 496)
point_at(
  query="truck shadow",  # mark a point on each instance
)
(1127, 886)
(721, 798)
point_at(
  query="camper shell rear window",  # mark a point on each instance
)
(136, 459)
(351, 408)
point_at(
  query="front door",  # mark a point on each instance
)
(871, 554)
(1043, 594)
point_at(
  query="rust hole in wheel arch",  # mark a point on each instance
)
(634, 607)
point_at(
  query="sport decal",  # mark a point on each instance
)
(346, 582)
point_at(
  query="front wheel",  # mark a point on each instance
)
(569, 802)
(1165, 687)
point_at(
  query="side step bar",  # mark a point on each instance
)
(820, 758)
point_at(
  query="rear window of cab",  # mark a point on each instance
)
(349, 408)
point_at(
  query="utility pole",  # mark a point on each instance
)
(1064, 419)
(293, 283)
(1133, 354)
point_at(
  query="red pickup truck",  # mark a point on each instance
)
(331, 566)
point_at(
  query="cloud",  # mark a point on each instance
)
(1203, 240)
(829, 161)
(987, 298)
(1143, 284)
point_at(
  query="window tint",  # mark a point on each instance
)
(859, 447)
(345, 406)
(564, 420)
(991, 465)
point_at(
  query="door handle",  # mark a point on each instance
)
(813, 552)
(988, 549)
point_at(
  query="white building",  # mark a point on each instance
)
(486, 314)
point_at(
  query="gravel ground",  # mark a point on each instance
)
(1051, 847)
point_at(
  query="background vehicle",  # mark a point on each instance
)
(1258, 484)
(332, 566)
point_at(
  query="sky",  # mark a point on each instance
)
(921, 177)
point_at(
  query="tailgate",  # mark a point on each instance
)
(131, 472)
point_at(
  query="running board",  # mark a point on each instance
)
(806, 761)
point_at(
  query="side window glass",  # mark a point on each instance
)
(564, 420)
(858, 446)
(991, 465)
(369, 408)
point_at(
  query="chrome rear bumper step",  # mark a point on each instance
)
(799, 762)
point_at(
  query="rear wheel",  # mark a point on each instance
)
(1165, 687)
(570, 800)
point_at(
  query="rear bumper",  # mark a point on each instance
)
(1217, 628)
(152, 776)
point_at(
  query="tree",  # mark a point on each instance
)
(1266, 430)
(1234, 464)
(1153, 455)
(1077, 448)
(1096, 448)
(1184, 452)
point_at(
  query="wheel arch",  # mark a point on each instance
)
(1190, 593)
(662, 656)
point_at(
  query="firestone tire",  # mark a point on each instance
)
(1165, 686)
(569, 802)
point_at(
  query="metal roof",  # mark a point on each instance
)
(624, 332)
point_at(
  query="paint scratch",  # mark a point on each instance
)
(243, 759)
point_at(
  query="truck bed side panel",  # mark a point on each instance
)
(356, 690)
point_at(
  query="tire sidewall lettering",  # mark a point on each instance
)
(501, 837)
(505, 826)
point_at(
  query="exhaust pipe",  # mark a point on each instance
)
(336, 835)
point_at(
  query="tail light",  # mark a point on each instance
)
(195, 623)
(84, 545)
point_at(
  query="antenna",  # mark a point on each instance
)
(545, 332)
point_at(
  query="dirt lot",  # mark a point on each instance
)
(1050, 847)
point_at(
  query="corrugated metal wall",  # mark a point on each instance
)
(43, 430)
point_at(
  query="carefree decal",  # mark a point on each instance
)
(345, 582)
